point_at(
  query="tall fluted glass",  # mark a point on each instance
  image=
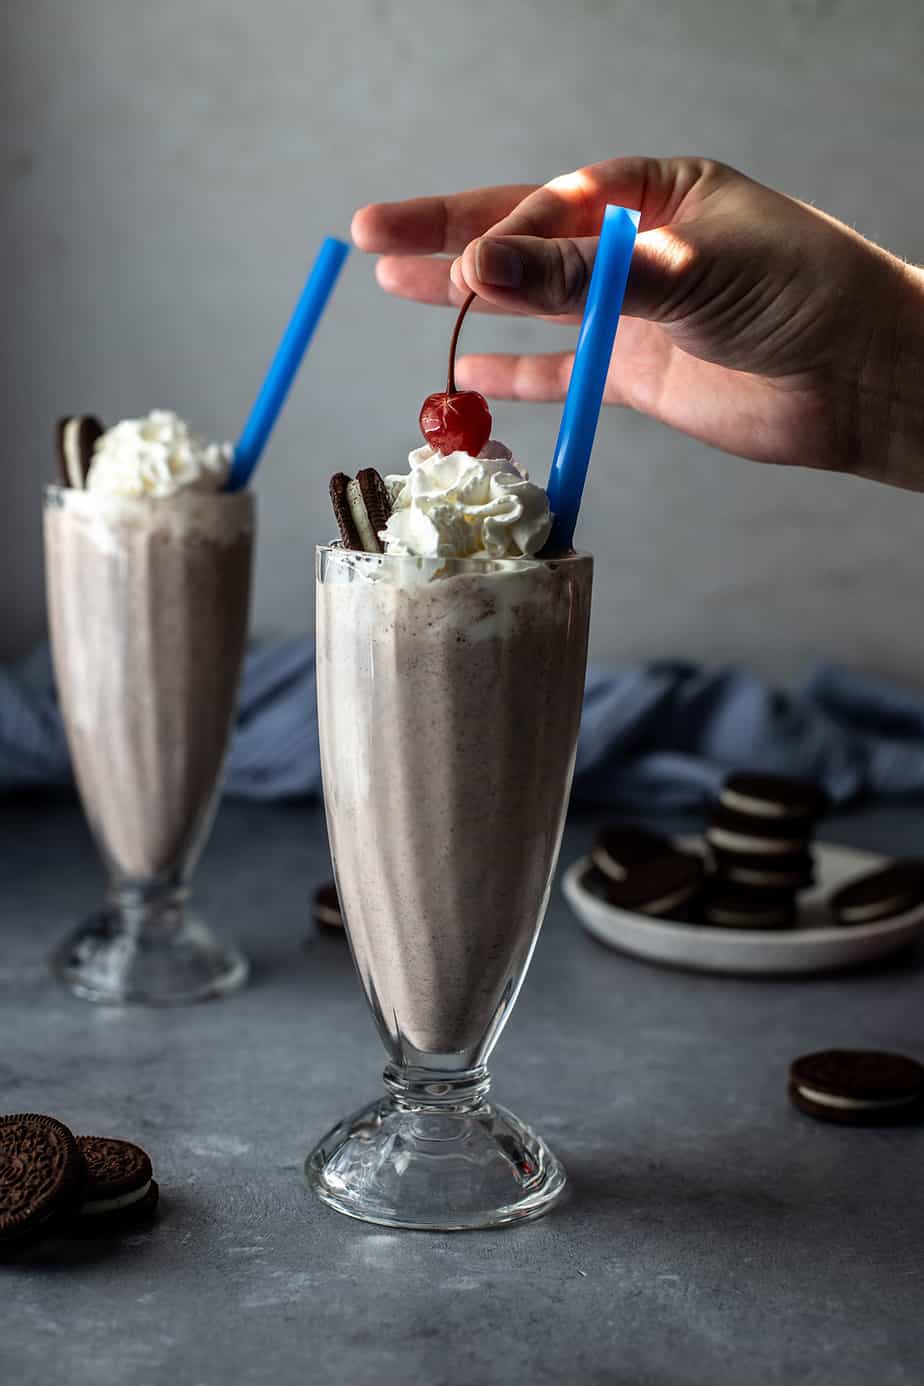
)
(147, 607)
(449, 699)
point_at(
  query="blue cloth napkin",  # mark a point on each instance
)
(654, 738)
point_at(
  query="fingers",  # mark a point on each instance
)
(527, 273)
(433, 225)
(569, 205)
(529, 378)
(540, 256)
(550, 277)
(727, 409)
(572, 204)
(424, 279)
(538, 253)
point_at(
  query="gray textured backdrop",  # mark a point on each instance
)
(169, 169)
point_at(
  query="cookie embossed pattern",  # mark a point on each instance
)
(42, 1176)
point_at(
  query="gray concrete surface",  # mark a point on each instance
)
(713, 1236)
(167, 171)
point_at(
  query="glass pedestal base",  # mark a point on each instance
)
(110, 962)
(435, 1168)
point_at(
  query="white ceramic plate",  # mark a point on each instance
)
(814, 945)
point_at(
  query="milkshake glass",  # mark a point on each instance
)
(449, 700)
(147, 605)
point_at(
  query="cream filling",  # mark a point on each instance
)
(763, 878)
(608, 865)
(366, 534)
(856, 1104)
(763, 808)
(760, 846)
(70, 446)
(112, 1205)
(326, 915)
(878, 909)
(669, 902)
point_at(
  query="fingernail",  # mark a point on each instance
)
(498, 264)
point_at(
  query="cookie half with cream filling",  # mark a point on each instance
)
(620, 847)
(857, 1087)
(361, 507)
(772, 796)
(667, 888)
(882, 894)
(76, 438)
(120, 1189)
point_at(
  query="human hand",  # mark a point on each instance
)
(752, 321)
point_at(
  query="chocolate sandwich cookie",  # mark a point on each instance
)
(622, 846)
(743, 907)
(326, 911)
(890, 891)
(772, 796)
(76, 439)
(732, 831)
(667, 888)
(120, 1188)
(361, 507)
(42, 1177)
(792, 871)
(857, 1087)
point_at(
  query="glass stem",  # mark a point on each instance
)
(154, 909)
(430, 1090)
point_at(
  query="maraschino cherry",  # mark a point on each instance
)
(456, 420)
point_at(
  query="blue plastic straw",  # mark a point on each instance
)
(588, 377)
(286, 362)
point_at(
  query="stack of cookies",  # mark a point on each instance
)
(759, 858)
(53, 1182)
(760, 836)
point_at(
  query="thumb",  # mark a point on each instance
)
(550, 276)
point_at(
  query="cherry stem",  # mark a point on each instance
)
(451, 378)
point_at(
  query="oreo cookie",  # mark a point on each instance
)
(120, 1189)
(668, 888)
(743, 907)
(857, 1087)
(733, 831)
(326, 911)
(622, 846)
(361, 508)
(42, 1177)
(893, 890)
(772, 796)
(76, 439)
(791, 871)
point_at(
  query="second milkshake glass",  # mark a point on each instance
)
(449, 700)
(147, 604)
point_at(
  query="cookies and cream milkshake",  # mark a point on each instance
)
(148, 579)
(450, 678)
(450, 666)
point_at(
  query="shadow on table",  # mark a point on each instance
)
(666, 1191)
(707, 1195)
(76, 1250)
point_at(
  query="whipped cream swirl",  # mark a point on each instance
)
(156, 457)
(459, 506)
